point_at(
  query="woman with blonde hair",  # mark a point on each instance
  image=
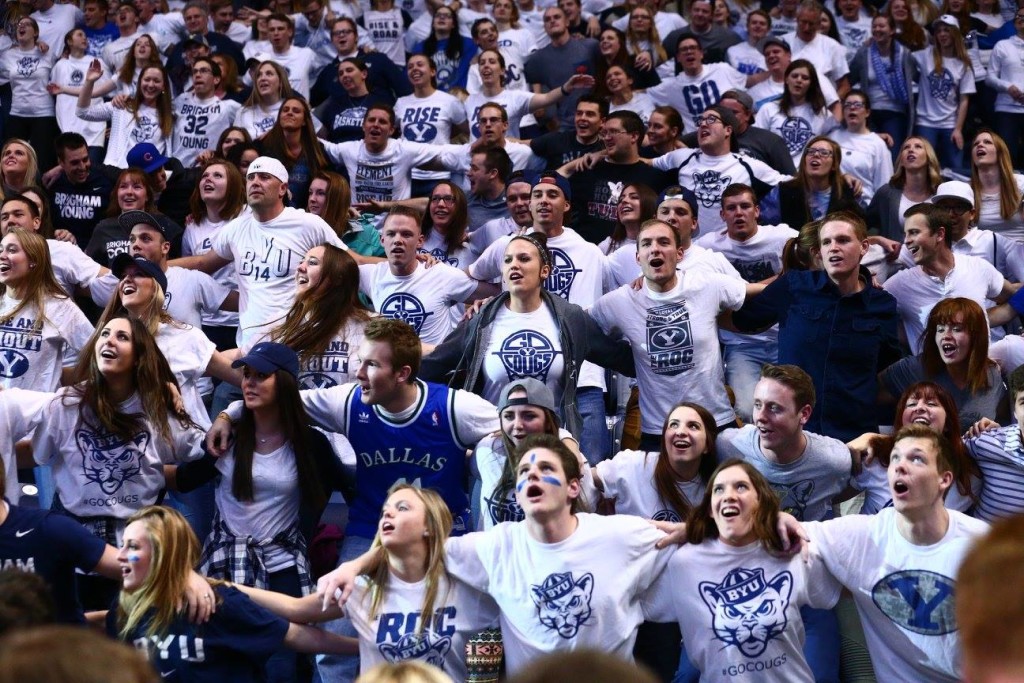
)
(947, 82)
(158, 553)
(19, 166)
(642, 40)
(30, 111)
(998, 188)
(404, 572)
(147, 115)
(270, 89)
(409, 671)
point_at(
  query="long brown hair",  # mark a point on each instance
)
(665, 480)
(293, 426)
(835, 176)
(319, 314)
(899, 176)
(151, 377)
(234, 195)
(814, 96)
(275, 145)
(648, 210)
(1009, 193)
(126, 73)
(163, 101)
(458, 224)
(339, 199)
(701, 525)
(40, 283)
(439, 527)
(968, 313)
(284, 92)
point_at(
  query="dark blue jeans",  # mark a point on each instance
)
(282, 666)
(948, 153)
(895, 123)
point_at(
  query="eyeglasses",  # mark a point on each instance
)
(819, 153)
(203, 70)
(709, 120)
(443, 199)
(957, 209)
(853, 105)
(342, 32)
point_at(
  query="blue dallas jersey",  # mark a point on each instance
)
(424, 449)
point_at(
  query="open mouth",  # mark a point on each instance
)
(922, 420)
(515, 277)
(913, 250)
(301, 278)
(108, 354)
(209, 187)
(730, 511)
(681, 444)
(387, 527)
(900, 487)
(656, 262)
(534, 491)
(5, 267)
(949, 349)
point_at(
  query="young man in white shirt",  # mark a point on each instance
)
(116, 51)
(265, 245)
(299, 62)
(404, 289)
(827, 55)
(900, 564)
(707, 171)
(755, 251)
(939, 273)
(200, 115)
(670, 324)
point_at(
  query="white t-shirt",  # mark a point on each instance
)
(387, 30)
(56, 22)
(904, 592)
(641, 104)
(739, 610)
(70, 73)
(258, 120)
(578, 275)
(421, 299)
(515, 102)
(190, 294)
(429, 120)
(523, 345)
(336, 365)
(265, 257)
(1006, 68)
(274, 508)
(72, 267)
(188, 352)
(436, 245)
(34, 349)
(299, 63)
(197, 240)
(939, 94)
(770, 90)
(853, 34)
(584, 591)
(198, 125)
(116, 51)
(757, 259)
(1008, 352)
(674, 337)
(877, 152)
(380, 177)
(746, 58)
(805, 486)
(692, 95)
(127, 129)
(515, 45)
(393, 634)
(100, 475)
(796, 128)
(628, 478)
(708, 176)
(827, 56)
(29, 73)
(20, 412)
(166, 28)
(990, 218)
(917, 292)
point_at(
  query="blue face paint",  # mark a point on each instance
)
(533, 457)
(550, 480)
(521, 484)
(134, 557)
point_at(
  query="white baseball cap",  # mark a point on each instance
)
(953, 189)
(269, 165)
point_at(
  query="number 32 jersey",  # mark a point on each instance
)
(198, 125)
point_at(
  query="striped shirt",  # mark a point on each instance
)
(1000, 456)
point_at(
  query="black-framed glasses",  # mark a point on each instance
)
(819, 153)
(709, 120)
(342, 32)
(853, 104)
(443, 199)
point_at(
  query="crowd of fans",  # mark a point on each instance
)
(689, 333)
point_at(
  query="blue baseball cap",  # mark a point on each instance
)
(268, 357)
(149, 269)
(553, 178)
(146, 156)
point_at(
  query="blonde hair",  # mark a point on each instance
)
(439, 526)
(32, 171)
(407, 671)
(899, 176)
(70, 654)
(40, 283)
(175, 551)
(1009, 193)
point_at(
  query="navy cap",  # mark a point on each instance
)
(146, 156)
(268, 357)
(685, 195)
(775, 40)
(553, 178)
(129, 219)
(148, 268)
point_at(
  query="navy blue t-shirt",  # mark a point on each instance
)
(233, 645)
(52, 546)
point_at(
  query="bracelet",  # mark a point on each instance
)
(222, 415)
(565, 93)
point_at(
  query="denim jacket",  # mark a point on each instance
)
(842, 342)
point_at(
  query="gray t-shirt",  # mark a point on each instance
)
(805, 487)
(971, 406)
(552, 66)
